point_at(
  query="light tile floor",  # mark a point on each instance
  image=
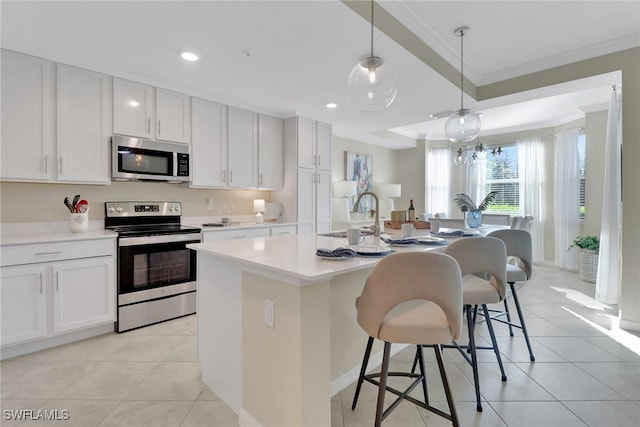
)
(587, 373)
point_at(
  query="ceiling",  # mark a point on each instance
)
(293, 57)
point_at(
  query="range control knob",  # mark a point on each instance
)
(176, 208)
(119, 209)
(112, 209)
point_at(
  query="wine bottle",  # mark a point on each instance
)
(411, 212)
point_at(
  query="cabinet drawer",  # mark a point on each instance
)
(45, 252)
(246, 233)
(286, 229)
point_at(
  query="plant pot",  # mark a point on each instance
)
(588, 266)
(474, 218)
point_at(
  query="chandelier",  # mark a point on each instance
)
(463, 125)
(478, 153)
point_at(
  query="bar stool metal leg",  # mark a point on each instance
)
(363, 370)
(523, 326)
(382, 388)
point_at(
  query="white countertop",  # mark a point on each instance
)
(31, 233)
(294, 255)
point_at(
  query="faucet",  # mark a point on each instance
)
(376, 226)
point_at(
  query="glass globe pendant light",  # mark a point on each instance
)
(371, 85)
(463, 125)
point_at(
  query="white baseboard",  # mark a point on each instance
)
(245, 419)
(632, 325)
(352, 374)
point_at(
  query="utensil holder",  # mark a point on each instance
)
(79, 222)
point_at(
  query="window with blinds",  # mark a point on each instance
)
(581, 159)
(502, 177)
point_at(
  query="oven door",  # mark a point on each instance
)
(147, 266)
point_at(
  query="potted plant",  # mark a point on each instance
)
(588, 263)
(466, 204)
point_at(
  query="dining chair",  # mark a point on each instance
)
(483, 263)
(522, 223)
(410, 298)
(519, 269)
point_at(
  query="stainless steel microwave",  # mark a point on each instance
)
(136, 159)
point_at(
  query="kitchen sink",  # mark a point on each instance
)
(343, 234)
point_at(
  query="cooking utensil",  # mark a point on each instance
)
(67, 203)
(82, 206)
(75, 202)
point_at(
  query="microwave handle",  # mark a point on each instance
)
(175, 164)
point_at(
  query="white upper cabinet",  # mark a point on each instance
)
(306, 135)
(208, 144)
(242, 148)
(173, 116)
(84, 126)
(323, 146)
(133, 109)
(27, 118)
(142, 111)
(270, 152)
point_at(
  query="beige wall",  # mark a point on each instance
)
(411, 172)
(27, 202)
(384, 165)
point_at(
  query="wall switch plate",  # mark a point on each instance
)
(269, 313)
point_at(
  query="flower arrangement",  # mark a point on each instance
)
(465, 203)
(586, 243)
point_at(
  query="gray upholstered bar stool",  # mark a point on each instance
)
(519, 269)
(483, 262)
(410, 298)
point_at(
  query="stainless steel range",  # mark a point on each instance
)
(156, 271)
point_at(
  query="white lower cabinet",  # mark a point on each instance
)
(84, 293)
(23, 296)
(243, 233)
(59, 294)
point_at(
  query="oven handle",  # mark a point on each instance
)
(164, 238)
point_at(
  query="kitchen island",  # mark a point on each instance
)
(280, 367)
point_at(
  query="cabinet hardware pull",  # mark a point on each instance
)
(223, 174)
(318, 178)
(261, 179)
(158, 127)
(41, 287)
(231, 176)
(46, 164)
(148, 125)
(48, 253)
(319, 160)
(57, 281)
(60, 170)
(239, 237)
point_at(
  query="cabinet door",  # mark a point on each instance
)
(208, 144)
(242, 148)
(83, 293)
(27, 118)
(133, 109)
(306, 143)
(23, 313)
(270, 153)
(323, 202)
(306, 200)
(323, 146)
(173, 116)
(84, 126)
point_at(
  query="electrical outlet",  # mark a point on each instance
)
(269, 313)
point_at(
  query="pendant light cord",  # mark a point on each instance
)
(371, 28)
(461, 69)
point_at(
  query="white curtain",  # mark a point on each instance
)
(608, 278)
(566, 204)
(439, 180)
(531, 173)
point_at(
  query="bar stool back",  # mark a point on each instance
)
(410, 298)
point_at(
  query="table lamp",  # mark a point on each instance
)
(387, 193)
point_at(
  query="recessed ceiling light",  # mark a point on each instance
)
(332, 105)
(189, 56)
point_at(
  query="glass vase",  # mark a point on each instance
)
(474, 218)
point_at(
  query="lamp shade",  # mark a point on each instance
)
(344, 189)
(462, 126)
(259, 205)
(390, 190)
(372, 85)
